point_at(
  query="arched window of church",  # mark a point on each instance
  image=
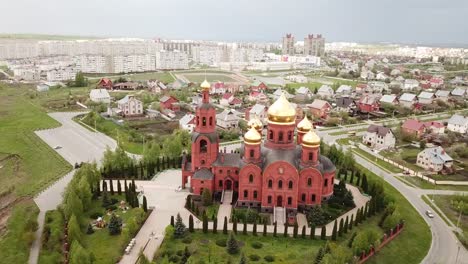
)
(255, 194)
(289, 200)
(270, 134)
(252, 153)
(270, 184)
(269, 199)
(280, 136)
(211, 120)
(290, 185)
(289, 136)
(251, 178)
(280, 184)
(203, 146)
(246, 193)
(311, 155)
(204, 121)
(309, 181)
(303, 197)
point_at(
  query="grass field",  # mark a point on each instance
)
(164, 77)
(383, 164)
(414, 242)
(38, 165)
(311, 85)
(211, 77)
(14, 245)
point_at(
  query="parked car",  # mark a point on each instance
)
(57, 147)
(429, 214)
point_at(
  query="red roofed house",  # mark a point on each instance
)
(228, 99)
(218, 88)
(258, 86)
(413, 127)
(320, 108)
(436, 82)
(169, 102)
(105, 83)
(362, 88)
(435, 127)
(258, 97)
(369, 103)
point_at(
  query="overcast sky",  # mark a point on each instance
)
(397, 21)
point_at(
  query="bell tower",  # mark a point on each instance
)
(205, 140)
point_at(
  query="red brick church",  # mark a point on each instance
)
(278, 170)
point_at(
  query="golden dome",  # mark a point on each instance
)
(305, 125)
(252, 136)
(311, 139)
(281, 111)
(205, 84)
(255, 122)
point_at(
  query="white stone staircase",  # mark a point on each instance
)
(279, 215)
(226, 207)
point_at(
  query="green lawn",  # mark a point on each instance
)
(443, 202)
(405, 156)
(15, 244)
(383, 164)
(420, 183)
(37, 164)
(124, 135)
(164, 77)
(204, 248)
(52, 236)
(209, 77)
(61, 99)
(414, 242)
(311, 85)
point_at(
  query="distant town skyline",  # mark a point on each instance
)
(427, 22)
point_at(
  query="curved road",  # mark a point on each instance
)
(445, 244)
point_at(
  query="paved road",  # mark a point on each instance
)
(444, 245)
(78, 144)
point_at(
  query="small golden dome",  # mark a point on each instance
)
(255, 122)
(205, 84)
(252, 136)
(282, 111)
(311, 139)
(305, 125)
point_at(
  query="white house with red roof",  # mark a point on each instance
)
(258, 97)
(218, 88)
(228, 99)
(436, 82)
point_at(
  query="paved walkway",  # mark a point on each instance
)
(301, 220)
(78, 144)
(226, 207)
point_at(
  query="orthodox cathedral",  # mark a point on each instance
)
(282, 169)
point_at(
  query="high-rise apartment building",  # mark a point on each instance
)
(288, 45)
(314, 45)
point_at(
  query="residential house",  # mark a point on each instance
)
(434, 127)
(396, 84)
(279, 92)
(408, 100)
(325, 91)
(381, 76)
(156, 86)
(187, 122)
(442, 95)
(105, 83)
(228, 99)
(227, 119)
(258, 97)
(459, 93)
(297, 78)
(379, 137)
(362, 88)
(258, 86)
(458, 123)
(434, 159)
(426, 98)
(258, 110)
(130, 106)
(303, 93)
(178, 84)
(320, 108)
(345, 104)
(395, 72)
(126, 86)
(377, 87)
(436, 82)
(218, 88)
(413, 127)
(42, 87)
(99, 96)
(344, 90)
(369, 103)
(410, 84)
(169, 102)
(367, 75)
(390, 99)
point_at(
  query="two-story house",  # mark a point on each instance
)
(169, 102)
(379, 137)
(458, 123)
(434, 159)
(130, 106)
(320, 108)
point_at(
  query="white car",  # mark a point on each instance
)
(429, 214)
(57, 147)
